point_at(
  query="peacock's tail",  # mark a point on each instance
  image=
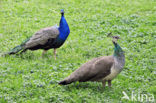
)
(17, 48)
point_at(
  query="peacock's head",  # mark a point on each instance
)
(115, 39)
(62, 12)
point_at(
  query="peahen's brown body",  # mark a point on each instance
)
(99, 69)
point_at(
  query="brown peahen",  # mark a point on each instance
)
(102, 69)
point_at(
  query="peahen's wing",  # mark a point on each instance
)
(101, 68)
(42, 36)
(93, 70)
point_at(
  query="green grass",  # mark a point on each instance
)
(31, 79)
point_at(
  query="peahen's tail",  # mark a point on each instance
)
(70, 79)
(64, 82)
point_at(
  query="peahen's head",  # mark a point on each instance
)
(117, 50)
(115, 39)
(62, 12)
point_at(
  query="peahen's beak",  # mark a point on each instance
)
(115, 39)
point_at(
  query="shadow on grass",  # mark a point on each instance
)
(96, 87)
(31, 56)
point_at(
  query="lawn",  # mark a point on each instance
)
(29, 78)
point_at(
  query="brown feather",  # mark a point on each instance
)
(94, 70)
(41, 37)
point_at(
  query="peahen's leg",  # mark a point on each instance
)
(44, 51)
(55, 53)
(104, 83)
(109, 83)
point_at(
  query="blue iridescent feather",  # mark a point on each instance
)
(63, 32)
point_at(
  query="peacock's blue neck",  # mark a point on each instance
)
(63, 29)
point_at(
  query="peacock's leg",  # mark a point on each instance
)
(109, 83)
(104, 83)
(55, 53)
(44, 51)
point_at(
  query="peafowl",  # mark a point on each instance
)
(46, 38)
(102, 69)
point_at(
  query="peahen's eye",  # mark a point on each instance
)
(116, 37)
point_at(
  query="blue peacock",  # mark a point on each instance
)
(46, 38)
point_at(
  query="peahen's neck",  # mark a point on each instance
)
(63, 28)
(119, 55)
